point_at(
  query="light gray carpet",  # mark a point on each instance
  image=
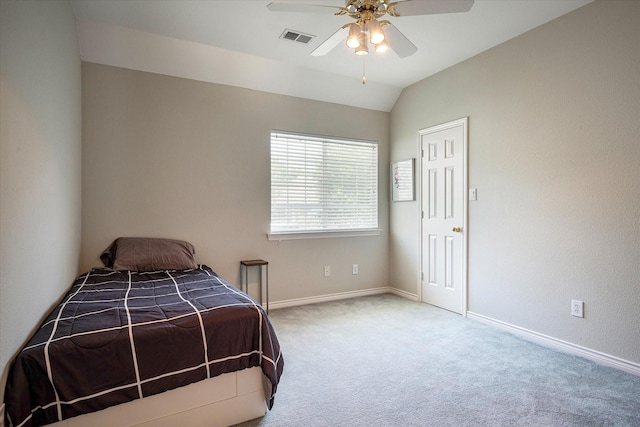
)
(387, 361)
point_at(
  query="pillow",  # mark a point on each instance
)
(149, 254)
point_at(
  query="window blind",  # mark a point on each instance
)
(322, 183)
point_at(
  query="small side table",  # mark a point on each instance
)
(255, 263)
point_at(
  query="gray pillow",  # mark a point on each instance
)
(149, 254)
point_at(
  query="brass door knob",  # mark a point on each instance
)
(457, 229)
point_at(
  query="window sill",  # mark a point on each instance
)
(323, 234)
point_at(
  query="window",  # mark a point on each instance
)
(322, 184)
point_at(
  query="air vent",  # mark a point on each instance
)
(296, 36)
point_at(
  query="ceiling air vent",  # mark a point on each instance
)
(296, 36)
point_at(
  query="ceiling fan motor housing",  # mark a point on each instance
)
(365, 10)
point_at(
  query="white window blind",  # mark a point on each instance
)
(322, 184)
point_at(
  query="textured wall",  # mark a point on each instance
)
(171, 157)
(40, 159)
(554, 151)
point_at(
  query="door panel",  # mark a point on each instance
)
(444, 216)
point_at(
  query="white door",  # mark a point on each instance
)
(444, 214)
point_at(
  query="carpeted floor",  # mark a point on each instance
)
(387, 361)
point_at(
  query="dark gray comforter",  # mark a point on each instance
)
(119, 336)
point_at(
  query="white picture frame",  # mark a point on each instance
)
(402, 180)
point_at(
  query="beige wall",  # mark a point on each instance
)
(171, 157)
(40, 155)
(554, 151)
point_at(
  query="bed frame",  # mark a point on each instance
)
(216, 402)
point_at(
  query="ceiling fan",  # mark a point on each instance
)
(367, 29)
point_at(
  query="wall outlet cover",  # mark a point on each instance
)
(577, 308)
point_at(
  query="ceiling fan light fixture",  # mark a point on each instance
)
(353, 39)
(376, 35)
(382, 47)
(362, 49)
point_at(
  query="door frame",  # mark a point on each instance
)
(465, 204)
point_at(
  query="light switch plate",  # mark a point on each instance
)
(473, 194)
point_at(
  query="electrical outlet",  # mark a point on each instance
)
(354, 269)
(577, 308)
(327, 271)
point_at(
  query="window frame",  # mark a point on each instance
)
(293, 234)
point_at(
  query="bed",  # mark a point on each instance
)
(147, 346)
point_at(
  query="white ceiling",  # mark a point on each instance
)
(237, 43)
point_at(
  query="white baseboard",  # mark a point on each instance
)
(403, 294)
(335, 297)
(560, 345)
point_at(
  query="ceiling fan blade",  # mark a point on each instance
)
(429, 7)
(329, 44)
(398, 42)
(302, 7)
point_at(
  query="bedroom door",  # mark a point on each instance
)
(444, 215)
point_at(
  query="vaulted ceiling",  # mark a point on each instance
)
(238, 43)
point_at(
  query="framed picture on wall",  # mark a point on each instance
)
(402, 177)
